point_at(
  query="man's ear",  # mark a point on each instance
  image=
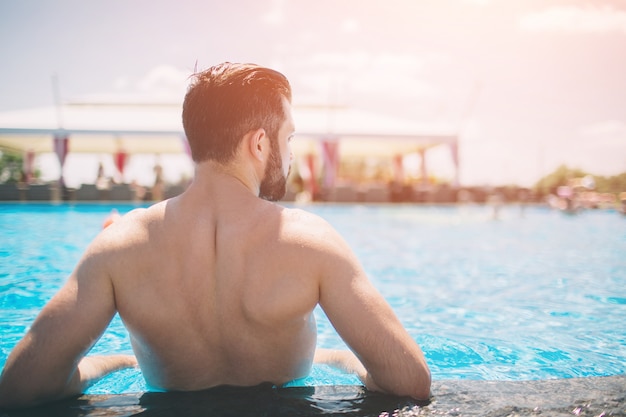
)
(257, 143)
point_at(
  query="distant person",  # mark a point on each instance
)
(100, 173)
(139, 192)
(218, 285)
(102, 182)
(157, 188)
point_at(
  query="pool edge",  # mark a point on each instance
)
(553, 397)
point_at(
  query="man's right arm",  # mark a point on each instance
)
(393, 361)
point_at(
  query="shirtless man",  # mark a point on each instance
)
(218, 285)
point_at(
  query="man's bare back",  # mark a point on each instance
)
(227, 283)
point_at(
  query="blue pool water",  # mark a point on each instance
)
(533, 295)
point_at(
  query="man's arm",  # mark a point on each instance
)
(392, 360)
(49, 363)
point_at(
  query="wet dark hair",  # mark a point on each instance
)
(225, 102)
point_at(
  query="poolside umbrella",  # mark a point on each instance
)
(121, 157)
(330, 150)
(61, 149)
(306, 169)
(310, 163)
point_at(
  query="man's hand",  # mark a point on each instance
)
(90, 369)
(93, 368)
(347, 362)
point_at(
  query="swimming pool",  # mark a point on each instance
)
(533, 295)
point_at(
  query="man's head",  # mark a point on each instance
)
(229, 100)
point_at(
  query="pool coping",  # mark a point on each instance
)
(593, 396)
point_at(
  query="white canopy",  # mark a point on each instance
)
(157, 129)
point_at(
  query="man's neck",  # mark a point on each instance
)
(226, 179)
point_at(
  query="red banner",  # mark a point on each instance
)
(61, 149)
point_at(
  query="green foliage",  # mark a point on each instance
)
(614, 184)
(561, 176)
(548, 184)
(10, 167)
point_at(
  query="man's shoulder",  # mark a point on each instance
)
(308, 230)
(296, 219)
(126, 231)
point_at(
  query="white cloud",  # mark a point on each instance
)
(361, 72)
(164, 79)
(161, 83)
(576, 20)
(401, 85)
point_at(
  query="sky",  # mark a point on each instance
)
(527, 84)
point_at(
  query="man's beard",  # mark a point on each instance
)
(274, 183)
